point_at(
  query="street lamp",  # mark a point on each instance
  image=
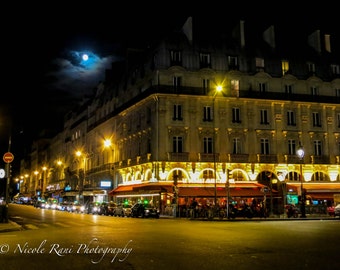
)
(44, 180)
(219, 88)
(108, 145)
(301, 153)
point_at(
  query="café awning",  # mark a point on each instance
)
(240, 189)
(245, 189)
(141, 188)
(318, 191)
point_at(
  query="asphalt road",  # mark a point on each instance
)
(58, 240)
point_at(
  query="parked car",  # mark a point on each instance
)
(92, 208)
(111, 208)
(77, 208)
(123, 210)
(64, 206)
(337, 211)
(51, 204)
(40, 204)
(144, 211)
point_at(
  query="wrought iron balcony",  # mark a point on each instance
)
(209, 157)
(267, 158)
(238, 158)
(180, 157)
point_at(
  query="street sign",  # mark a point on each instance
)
(8, 157)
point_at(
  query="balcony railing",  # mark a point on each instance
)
(204, 157)
(292, 159)
(179, 157)
(238, 158)
(267, 158)
(320, 159)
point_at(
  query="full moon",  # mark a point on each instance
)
(85, 57)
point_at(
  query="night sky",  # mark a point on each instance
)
(42, 47)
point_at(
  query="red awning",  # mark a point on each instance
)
(245, 189)
(138, 188)
(317, 187)
(220, 192)
(120, 189)
(321, 196)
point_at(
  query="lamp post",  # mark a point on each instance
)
(110, 159)
(36, 173)
(81, 180)
(44, 180)
(218, 89)
(228, 193)
(301, 153)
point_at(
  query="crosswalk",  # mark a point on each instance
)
(42, 225)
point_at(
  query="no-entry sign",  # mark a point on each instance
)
(8, 157)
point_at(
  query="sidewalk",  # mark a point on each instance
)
(272, 218)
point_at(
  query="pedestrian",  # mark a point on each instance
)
(194, 208)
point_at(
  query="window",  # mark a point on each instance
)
(176, 58)
(148, 146)
(319, 176)
(207, 114)
(337, 92)
(316, 119)
(338, 120)
(314, 91)
(335, 69)
(205, 60)
(232, 62)
(235, 88)
(311, 67)
(139, 120)
(291, 147)
(237, 146)
(208, 145)
(177, 83)
(317, 148)
(288, 89)
(285, 66)
(264, 146)
(177, 113)
(177, 144)
(264, 117)
(259, 62)
(148, 115)
(291, 118)
(236, 115)
(206, 86)
(208, 174)
(262, 87)
(177, 175)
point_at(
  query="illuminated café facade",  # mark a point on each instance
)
(181, 131)
(203, 118)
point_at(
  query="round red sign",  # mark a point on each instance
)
(8, 157)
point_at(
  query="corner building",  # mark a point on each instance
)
(215, 117)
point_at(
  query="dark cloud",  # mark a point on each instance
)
(77, 76)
